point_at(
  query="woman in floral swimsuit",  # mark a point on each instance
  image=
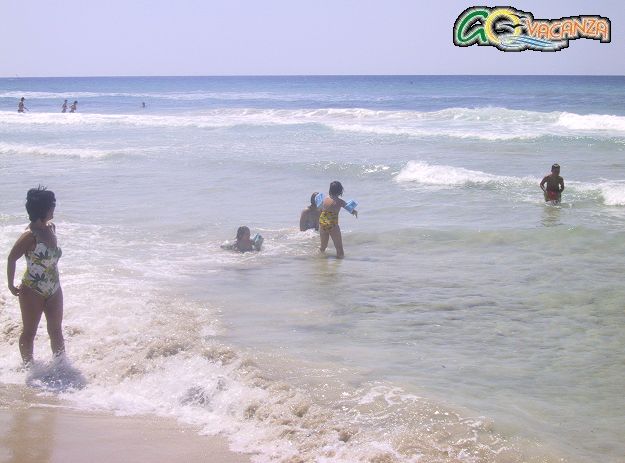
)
(40, 291)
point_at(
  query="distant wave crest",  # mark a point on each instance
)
(490, 124)
(428, 174)
(54, 150)
(592, 122)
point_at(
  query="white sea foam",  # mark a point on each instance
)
(55, 150)
(428, 174)
(151, 355)
(613, 193)
(483, 123)
(592, 122)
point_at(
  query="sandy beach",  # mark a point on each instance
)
(35, 429)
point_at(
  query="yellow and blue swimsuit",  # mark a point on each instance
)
(328, 219)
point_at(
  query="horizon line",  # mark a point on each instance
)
(307, 75)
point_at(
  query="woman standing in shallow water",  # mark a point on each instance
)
(40, 291)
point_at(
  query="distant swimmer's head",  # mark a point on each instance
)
(243, 232)
(555, 168)
(65, 101)
(22, 99)
(336, 189)
(76, 102)
(40, 203)
(313, 199)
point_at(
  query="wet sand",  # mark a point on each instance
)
(37, 430)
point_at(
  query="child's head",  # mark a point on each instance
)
(313, 199)
(336, 189)
(555, 169)
(243, 232)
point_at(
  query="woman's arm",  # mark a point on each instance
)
(21, 246)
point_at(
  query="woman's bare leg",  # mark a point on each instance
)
(31, 306)
(54, 320)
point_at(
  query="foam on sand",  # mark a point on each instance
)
(63, 434)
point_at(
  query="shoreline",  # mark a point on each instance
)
(43, 429)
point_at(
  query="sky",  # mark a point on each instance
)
(41, 38)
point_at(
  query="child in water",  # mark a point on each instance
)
(243, 242)
(554, 185)
(329, 219)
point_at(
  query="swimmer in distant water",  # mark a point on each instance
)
(40, 291)
(72, 108)
(143, 104)
(64, 107)
(329, 219)
(20, 106)
(310, 216)
(554, 185)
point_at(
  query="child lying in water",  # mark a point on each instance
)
(243, 243)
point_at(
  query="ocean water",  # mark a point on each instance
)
(469, 321)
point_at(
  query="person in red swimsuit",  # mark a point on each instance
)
(553, 185)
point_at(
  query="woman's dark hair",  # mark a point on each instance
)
(336, 189)
(313, 199)
(38, 202)
(241, 231)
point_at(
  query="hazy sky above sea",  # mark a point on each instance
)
(280, 37)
